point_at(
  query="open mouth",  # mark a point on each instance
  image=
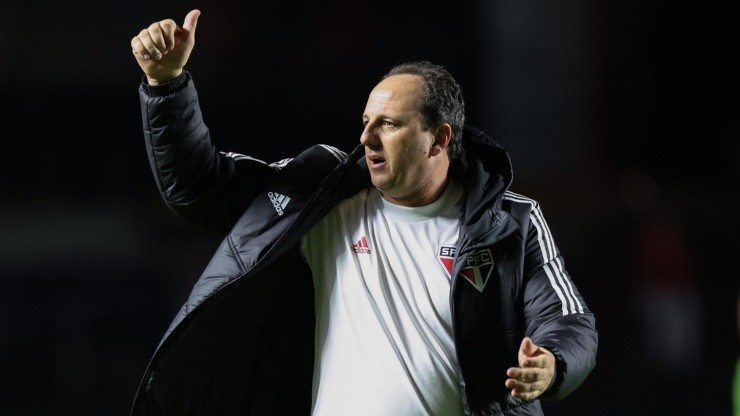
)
(375, 161)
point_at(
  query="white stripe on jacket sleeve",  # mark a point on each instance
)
(276, 165)
(559, 280)
(340, 155)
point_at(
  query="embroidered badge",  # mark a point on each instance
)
(446, 257)
(478, 268)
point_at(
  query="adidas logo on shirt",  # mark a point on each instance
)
(279, 201)
(361, 246)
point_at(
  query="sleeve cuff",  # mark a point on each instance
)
(558, 377)
(168, 87)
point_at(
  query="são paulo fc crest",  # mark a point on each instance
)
(446, 257)
(478, 268)
(478, 265)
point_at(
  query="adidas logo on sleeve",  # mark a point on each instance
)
(279, 201)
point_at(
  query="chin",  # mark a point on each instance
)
(379, 183)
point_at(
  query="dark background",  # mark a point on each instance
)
(621, 118)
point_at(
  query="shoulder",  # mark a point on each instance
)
(518, 205)
(323, 153)
(349, 214)
(321, 157)
(524, 210)
(515, 198)
(355, 204)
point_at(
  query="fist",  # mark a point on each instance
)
(163, 48)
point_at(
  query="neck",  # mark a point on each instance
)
(432, 193)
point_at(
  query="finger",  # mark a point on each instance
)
(526, 375)
(528, 347)
(526, 395)
(168, 29)
(150, 50)
(534, 362)
(157, 37)
(523, 390)
(191, 21)
(519, 386)
(138, 48)
(523, 386)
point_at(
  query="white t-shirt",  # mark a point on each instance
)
(384, 342)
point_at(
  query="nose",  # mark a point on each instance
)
(369, 137)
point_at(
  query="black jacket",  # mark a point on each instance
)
(243, 342)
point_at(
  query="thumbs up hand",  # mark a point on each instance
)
(163, 48)
(534, 374)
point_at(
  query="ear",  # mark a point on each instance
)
(442, 136)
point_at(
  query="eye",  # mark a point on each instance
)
(389, 124)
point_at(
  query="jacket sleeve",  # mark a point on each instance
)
(206, 187)
(556, 316)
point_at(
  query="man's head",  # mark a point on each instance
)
(407, 136)
(441, 100)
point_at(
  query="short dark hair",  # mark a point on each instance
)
(441, 100)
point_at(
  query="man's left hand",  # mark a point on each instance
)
(534, 374)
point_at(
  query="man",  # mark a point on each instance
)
(401, 279)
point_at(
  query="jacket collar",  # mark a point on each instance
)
(484, 169)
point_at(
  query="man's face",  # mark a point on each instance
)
(404, 162)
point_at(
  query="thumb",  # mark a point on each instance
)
(191, 21)
(528, 348)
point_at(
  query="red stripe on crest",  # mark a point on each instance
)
(469, 274)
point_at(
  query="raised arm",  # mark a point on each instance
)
(206, 187)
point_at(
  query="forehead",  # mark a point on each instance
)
(396, 93)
